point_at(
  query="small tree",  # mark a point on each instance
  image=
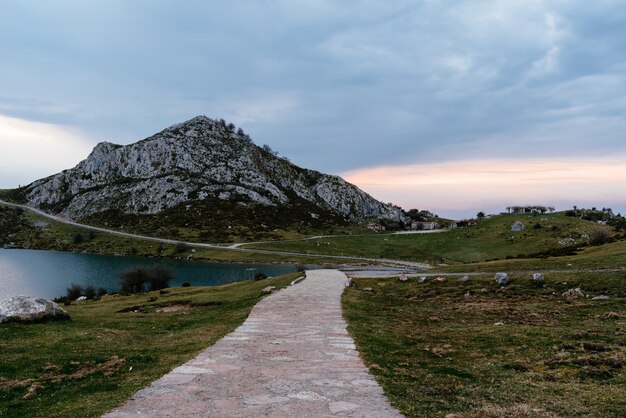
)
(74, 292)
(159, 277)
(78, 238)
(89, 292)
(480, 215)
(133, 280)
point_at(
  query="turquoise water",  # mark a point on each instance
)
(48, 273)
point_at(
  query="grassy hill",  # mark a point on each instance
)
(491, 239)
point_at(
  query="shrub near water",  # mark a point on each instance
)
(137, 279)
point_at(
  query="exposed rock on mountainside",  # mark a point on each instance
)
(201, 160)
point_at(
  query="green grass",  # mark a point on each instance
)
(436, 352)
(608, 256)
(490, 239)
(98, 359)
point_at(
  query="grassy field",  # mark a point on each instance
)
(608, 256)
(106, 352)
(490, 239)
(519, 351)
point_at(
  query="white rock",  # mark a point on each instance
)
(517, 226)
(538, 277)
(27, 308)
(502, 279)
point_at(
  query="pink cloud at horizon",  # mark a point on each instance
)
(460, 188)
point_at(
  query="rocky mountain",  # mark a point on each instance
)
(201, 162)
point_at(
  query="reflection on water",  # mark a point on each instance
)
(49, 273)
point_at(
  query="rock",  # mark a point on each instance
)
(538, 277)
(464, 279)
(27, 308)
(567, 242)
(600, 297)
(575, 293)
(498, 324)
(502, 279)
(351, 283)
(439, 279)
(422, 279)
(268, 289)
(467, 294)
(298, 280)
(368, 289)
(402, 277)
(199, 159)
(517, 226)
(81, 299)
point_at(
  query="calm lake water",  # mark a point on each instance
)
(48, 273)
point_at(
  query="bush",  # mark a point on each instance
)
(260, 276)
(159, 277)
(137, 279)
(599, 236)
(133, 280)
(74, 292)
(78, 238)
(101, 292)
(181, 247)
(89, 292)
(186, 284)
(300, 268)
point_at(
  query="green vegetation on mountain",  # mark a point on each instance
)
(115, 346)
(479, 350)
(213, 220)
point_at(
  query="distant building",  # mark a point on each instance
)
(463, 223)
(375, 227)
(424, 226)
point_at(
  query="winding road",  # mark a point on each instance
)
(234, 247)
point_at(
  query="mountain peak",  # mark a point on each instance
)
(201, 161)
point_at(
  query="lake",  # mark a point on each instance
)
(48, 273)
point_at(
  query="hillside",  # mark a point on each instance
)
(202, 179)
(491, 239)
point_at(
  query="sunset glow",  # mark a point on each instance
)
(458, 188)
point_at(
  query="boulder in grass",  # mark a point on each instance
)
(268, 289)
(575, 293)
(502, 279)
(538, 277)
(517, 226)
(29, 309)
(464, 279)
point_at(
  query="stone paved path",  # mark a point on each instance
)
(291, 358)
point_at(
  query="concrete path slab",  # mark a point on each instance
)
(292, 357)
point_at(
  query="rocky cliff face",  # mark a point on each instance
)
(193, 161)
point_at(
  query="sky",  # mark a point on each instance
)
(451, 106)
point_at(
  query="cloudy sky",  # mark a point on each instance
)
(449, 106)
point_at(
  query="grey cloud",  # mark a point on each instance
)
(367, 82)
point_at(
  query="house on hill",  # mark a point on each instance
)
(375, 227)
(463, 223)
(424, 226)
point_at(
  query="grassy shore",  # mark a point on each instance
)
(523, 350)
(114, 346)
